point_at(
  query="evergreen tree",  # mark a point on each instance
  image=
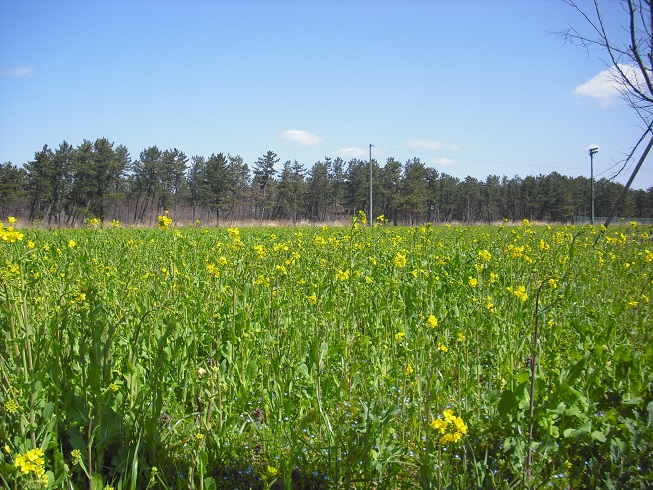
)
(356, 186)
(414, 191)
(317, 195)
(390, 190)
(146, 182)
(337, 175)
(194, 183)
(264, 182)
(172, 178)
(217, 184)
(13, 185)
(239, 175)
(39, 181)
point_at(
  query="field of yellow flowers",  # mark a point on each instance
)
(326, 357)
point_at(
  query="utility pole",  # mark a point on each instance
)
(370, 218)
(593, 151)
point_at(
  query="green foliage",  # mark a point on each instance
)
(325, 357)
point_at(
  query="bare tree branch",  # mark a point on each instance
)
(630, 66)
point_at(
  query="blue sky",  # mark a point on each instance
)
(470, 87)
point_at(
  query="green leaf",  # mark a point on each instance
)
(585, 428)
(97, 483)
(636, 400)
(303, 369)
(598, 435)
(209, 483)
(508, 405)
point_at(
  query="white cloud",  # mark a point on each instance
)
(444, 161)
(302, 137)
(431, 145)
(21, 71)
(605, 85)
(351, 152)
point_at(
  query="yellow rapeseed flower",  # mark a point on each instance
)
(32, 461)
(450, 426)
(164, 221)
(342, 275)
(438, 424)
(520, 292)
(11, 406)
(400, 260)
(432, 321)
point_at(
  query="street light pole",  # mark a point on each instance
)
(370, 218)
(593, 151)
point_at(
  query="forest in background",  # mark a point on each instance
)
(97, 179)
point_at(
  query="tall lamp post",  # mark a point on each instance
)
(370, 218)
(593, 151)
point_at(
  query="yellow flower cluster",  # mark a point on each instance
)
(432, 321)
(76, 456)
(260, 251)
(342, 275)
(362, 217)
(11, 406)
(165, 221)
(262, 280)
(520, 292)
(400, 260)
(31, 461)
(7, 233)
(515, 252)
(451, 427)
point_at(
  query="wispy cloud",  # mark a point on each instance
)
(431, 145)
(605, 85)
(21, 71)
(302, 137)
(351, 152)
(444, 161)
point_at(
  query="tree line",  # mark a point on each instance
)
(68, 185)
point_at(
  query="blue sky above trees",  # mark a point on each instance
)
(471, 88)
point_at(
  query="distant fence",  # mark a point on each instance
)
(599, 220)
